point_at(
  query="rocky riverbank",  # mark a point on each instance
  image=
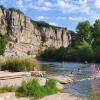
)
(58, 96)
(18, 80)
(5, 78)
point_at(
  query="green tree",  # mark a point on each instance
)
(97, 53)
(83, 30)
(85, 51)
(96, 33)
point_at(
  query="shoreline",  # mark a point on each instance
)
(53, 60)
(12, 82)
(57, 96)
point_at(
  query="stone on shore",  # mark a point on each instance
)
(63, 79)
(62, 96)
(59, 86)
(58, 96)
(10, 96)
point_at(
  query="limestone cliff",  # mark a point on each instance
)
(27, 36)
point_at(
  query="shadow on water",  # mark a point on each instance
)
(85, 88)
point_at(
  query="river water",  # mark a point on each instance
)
(84, 85)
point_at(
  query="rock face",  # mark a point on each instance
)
(27, 36)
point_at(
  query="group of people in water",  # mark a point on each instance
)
(79, 71)
(94, 68)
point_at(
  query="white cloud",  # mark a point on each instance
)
(53, 23)
(37, 5)
(43, 5)
(67, 6)
(89, 8)
(80, 18)
(41, 8)
(20, 3)
(41, 18)
(48, 4)
(97, 4)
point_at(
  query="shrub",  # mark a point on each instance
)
(31, 88)
(43, 24)
(81, 53)
(16, 10)
(2, 7)
(3, 42)
(97, 53)
(94, 97)
(34, 89)
(18, 64)
(49, 53)
(7, 88)
(50, 87)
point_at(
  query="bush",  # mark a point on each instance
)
(34, 89)
(16, 10)
(3, 42)
(18, 64)
(50, 87)
(94, 97)
(7, 88)
(43, 24)
(49, 53)
(83, 52)
(97, 53)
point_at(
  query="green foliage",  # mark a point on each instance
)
(7, 88)
(83, 30)
(96, 33)
(42, 24)
(2, 7)
(43, 38)
(32, 88)
(50, 87)
(11, 9)
(94, 97)
(82, 53)
(3, 42)
(85, 45)
(85, 51)
(15, 10)
(49, 53)
(18, 64)
(97, 53)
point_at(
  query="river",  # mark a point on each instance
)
(84, 85)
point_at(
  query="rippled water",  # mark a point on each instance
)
(84, 85)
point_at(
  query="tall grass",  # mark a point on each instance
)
(7, 88)
(17, 64)
(50, 87)
(34, 89)
(94, 97)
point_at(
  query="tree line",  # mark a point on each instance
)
(84, 46)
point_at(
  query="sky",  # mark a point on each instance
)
(64, 13)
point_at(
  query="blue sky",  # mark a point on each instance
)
(64, 13)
